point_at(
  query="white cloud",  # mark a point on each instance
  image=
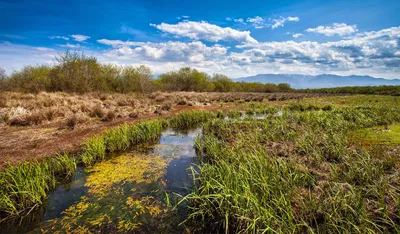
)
(339, 29)
(166, 51)
(280, 22)
(370, 52)
(116, 43)
(260, 22)
(228, 18)
(15, 56)
(239, 20)
(79, 37)
(205, 31)
(296, 35)
(375, 53)
(59, 37)
(71, 46)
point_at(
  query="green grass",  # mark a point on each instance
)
(295, 173)
(379, 135)
(25, 186)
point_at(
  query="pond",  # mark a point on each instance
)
(131, 191)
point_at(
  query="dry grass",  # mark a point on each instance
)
(19, 109)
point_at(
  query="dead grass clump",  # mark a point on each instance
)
(160, 98)
(75, 119)
(4, 117)
(110, 116)
(50, 114)
(182, 102)
(36, 117)
(84, 108)
(134, 115)
(3, 102)
(72, 121)
(18, 121)
(97, 112)
(166, 107)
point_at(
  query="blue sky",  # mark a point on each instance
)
(237, 38)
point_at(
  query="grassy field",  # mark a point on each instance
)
(311, 165)
(298, 170)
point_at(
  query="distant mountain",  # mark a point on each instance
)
(320, 81)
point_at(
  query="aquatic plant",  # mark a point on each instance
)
(25, 186)
(189, 118)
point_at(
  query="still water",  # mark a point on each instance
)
(132, 191)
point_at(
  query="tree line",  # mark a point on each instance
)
(76, 72)
(376, 90)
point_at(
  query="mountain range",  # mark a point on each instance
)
(319, 81)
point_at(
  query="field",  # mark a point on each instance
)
(264, 163)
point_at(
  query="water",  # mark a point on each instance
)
(129, 192)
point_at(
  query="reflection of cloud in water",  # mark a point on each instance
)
(175, 138)
(174, 150)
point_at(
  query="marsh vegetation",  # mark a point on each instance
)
(316, 165)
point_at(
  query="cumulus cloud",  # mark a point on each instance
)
(59, 37)
(79, 37)
(374, 53)
(339, 29)
(205, 31)
(166, 51)
(378, 50)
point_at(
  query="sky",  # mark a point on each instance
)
(236, 38)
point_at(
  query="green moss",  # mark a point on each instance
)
(379, 135)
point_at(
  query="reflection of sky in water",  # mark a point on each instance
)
(63, 196)
(177, 144)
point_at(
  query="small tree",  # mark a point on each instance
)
(145, 78)
(3, 77)
(284, 87)
(76, 72)
(222, 83)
